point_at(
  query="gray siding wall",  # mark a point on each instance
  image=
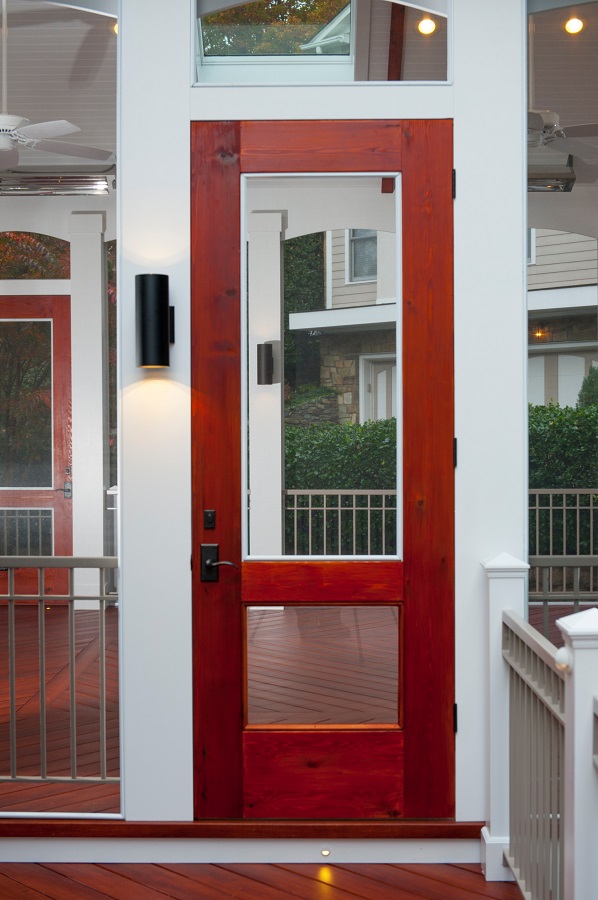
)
(563, 260)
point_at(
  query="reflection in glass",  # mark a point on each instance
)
(322, 665)
(25, 404)
(340, 445)
(304, 41)
(281, 28)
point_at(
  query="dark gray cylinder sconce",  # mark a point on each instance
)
(154, 321)
(265, 364)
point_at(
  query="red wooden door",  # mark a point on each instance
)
(35, 417)
(402, 765)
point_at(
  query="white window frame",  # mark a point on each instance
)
(350, 277)
(366, 364)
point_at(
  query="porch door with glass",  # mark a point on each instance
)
(323, 520)
(35, 426)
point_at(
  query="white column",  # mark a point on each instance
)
(265, 401)
(88, 288)
(580, 815)
(155, 419)
(507, 584)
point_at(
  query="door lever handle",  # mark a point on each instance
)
(209, 562)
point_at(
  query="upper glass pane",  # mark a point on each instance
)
(26, 404)
(318, 41)
(323, 447)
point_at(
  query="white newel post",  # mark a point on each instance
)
(88, 285)
(580, 801)
(507, 589)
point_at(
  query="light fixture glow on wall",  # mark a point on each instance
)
(426, 26)
(154, 321)
(574, 25)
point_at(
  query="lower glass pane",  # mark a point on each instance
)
(322, 665)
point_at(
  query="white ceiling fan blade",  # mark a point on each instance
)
(48, 129)
(9, 158)
(576, 148)
(581, 131)
(66, 148)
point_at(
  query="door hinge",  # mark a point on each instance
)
(455, 718)
(455, 452)
(454, 183)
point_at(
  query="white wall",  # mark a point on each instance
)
(490, 341)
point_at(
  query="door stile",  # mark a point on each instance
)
(428, 416)
(216, 468)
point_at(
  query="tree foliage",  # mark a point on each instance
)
(267, 27)
(588, 394)
(563, 446)
(304, 291)
(35, 256)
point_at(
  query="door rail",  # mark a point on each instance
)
(45, 585)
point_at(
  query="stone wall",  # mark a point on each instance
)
(313, 412)
(339, 365)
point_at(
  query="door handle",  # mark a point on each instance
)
(209, 562)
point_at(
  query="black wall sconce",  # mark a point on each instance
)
(265, 364)
(154, 321)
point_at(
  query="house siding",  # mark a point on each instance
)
(361, 293)
(563, 260)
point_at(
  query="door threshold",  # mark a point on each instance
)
(406, 829)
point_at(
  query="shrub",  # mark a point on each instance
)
(563, 446)
(341, 457)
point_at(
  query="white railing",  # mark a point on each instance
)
(543, 744)
(536, 759)
(36, 591)
(563, 522)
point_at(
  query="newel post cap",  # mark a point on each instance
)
(505, 565)
(580, 629)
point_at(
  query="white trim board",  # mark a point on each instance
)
(163, 850)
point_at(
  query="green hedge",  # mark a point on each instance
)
(563, 452)
(563, 446)
(341, 457)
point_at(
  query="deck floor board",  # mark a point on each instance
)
(184, 881)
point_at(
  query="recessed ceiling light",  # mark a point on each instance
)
(574, 26)
(426, 26)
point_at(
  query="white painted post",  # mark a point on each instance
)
(507, 587)
(88, 285)
(580, 813)
(265, 401)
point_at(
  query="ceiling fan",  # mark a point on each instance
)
(16, 131)
(543, 130)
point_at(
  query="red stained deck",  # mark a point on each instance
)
(258, 882)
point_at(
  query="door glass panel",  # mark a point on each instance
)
(25, 404)
(323, 665)
(323, 427)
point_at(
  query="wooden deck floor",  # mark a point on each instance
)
(255, 882)
(59, 797)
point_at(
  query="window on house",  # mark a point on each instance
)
(363, 254)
